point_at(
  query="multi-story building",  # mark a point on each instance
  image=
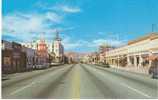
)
(19, 57)
(7, 59)
(58, 48)
(32, 44)
(94, 57)
(30, 57)
(102, 52)
(13, 58)
(42, 52)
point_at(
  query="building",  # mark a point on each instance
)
(19, 57)
(58, 48)
(7, 57)
(42, 52)
(102, 52)
(13, 58)
(104, 48)
(51, 57)
(72, 57)
(94, 57)
(86, 58)
(30, 57)
(69, 57)
(32, 44)
(136, 53)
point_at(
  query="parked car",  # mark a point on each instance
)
(154, 69)
(42, 66)
(105, 65)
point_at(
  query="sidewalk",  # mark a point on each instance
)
(143, 70)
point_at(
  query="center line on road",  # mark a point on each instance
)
(146, 95)
(76, 83)
(18, 90)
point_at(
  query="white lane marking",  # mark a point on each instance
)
(18, 90)
(140, 92)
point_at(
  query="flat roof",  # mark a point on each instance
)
(148, 36)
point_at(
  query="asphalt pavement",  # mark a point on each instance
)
(79, 81)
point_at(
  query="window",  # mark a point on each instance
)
(7, 61)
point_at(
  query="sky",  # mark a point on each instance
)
(83, 24)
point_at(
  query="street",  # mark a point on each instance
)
(82, 81)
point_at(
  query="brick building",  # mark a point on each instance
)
(13, 58)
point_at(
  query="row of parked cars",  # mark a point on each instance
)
(45, 65)
(105, 65)
(41, 66)
(153, 70)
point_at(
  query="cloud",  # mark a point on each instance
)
(27, 26)
(112, 42)
(34, 22)
(59, 7)
(69, 44)
(53, 17)
(69, 9)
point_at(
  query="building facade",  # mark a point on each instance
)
(102, 52)
(136, 53)
(19, 57)
(71, 57)
(13, 58)
(58, 49)
(42, 52)
(30, 57)
(7, 58)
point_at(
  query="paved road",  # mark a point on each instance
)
(79, 81)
